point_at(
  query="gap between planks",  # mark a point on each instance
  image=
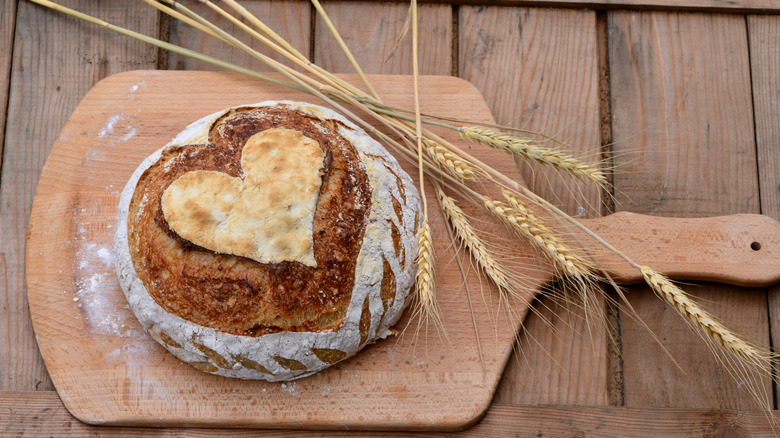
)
(614, 346)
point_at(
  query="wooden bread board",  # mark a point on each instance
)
(107, 370)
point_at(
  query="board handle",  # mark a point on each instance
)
(740, 249)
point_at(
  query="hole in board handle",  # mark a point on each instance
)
(755, 246)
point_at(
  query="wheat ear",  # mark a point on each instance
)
(745, 362)
(426, 306)
(579, 274)
(519, 218)
(469, 239)
(716, 331)
(527, 149)
(454, 164)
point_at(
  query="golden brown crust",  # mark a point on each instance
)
(235, 294)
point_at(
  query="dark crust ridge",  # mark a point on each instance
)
(238, 295)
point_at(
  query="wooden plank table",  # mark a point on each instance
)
(683, 97)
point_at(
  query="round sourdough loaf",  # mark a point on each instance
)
(268, 241)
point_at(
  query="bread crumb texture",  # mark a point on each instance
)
(268, 241)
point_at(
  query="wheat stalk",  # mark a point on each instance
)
(453, 163)
(746, 363)
(529, 150)
(519, 218)
(579, 274)
(426, 307)
(724, 337)
(468, 236)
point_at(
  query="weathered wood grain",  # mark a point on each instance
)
(769, 6)
(764, 33)
(684, 144)
(7, 22)
(372, 30)
(41, 413)
(55, 62)
(710, 6)
(538, 69)
(290, 19)
(681, 103)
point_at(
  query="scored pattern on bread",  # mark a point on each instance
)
(250, 364)
(290, 364)
(329, 355)
(204, 366)
(387, 290)
(239, 317)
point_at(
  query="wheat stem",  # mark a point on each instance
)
(453, 235)
(280, 45)
(181, 17)
(242, 11)
(417, 118)
(344, 48)
(438, 120)
(168, 46)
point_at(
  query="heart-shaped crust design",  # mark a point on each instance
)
(267, 215)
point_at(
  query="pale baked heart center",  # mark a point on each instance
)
(267, 215)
